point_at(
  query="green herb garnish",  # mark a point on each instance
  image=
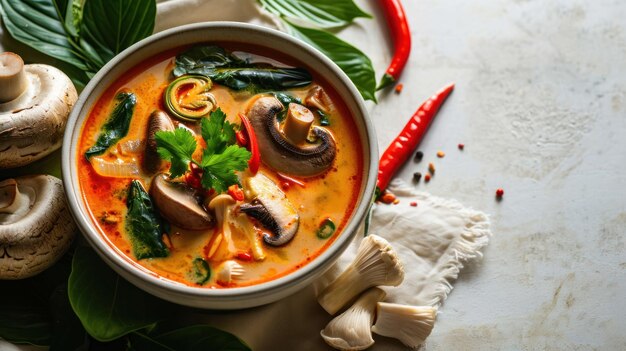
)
(116, 126)
(220, 159)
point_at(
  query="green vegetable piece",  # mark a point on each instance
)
(143, 225)
(116, 127)
(322, 13)
(324, 120)
(188, 338)
(261, 78)
(231, 71)
(326, 230)
(200, 271)
(195, 86)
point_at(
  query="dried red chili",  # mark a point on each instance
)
(399, 28)
(403, 145)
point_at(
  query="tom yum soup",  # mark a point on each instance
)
(218, 167)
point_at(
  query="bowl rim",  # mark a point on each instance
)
(310, 270)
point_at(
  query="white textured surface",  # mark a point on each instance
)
(540, 104)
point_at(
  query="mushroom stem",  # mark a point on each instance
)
(13, 203)
(376, 263)
(409, 324)
(351, 330)
(298, 123)
(13, 80)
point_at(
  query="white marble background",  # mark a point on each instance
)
(540, 105)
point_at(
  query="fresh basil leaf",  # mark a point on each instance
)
(110, 26)
(116, 126)
(323, 13)
(231, 71)
(195, 337)
(351, 60)
(38, 24)
(107, 305)
(142, 224)
(261, 78)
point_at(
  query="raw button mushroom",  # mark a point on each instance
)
(35, 226)
(35, 101)
(351, 330)
(375, 264)
(409, 324)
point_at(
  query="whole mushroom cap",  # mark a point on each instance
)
(32, 121)
(36, 227)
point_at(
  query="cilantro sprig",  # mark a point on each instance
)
(220, 158)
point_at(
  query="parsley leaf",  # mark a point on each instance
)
(219, 168)
(217, 132)
(177, 147)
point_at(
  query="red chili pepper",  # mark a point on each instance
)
(399, 27)
(244, 256)
(403, 145)
(194, 177)
(252, 144)
(235, 192)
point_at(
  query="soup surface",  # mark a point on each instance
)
(183, 195)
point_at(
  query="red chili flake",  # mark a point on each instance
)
(499, 193)
(244, 256)
(235, 192)
(427, 178)
(431, 168)
(461, 146)
(399, 88)
(440, 154)
(388, 198)
(413, 203)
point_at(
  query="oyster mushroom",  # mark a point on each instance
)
(35, 226)
(35, 101)
(351, 330)
(228, 272)
(375, 264)
(409, 324)
(222, 204)
(158, 121)
(178, 204)
(279, 151)
(271, 207)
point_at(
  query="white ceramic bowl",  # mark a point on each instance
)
(232, 298)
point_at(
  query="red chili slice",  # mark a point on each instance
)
(253, 146)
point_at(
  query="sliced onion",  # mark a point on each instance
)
(116, 169)
(131, 147)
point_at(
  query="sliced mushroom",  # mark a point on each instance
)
(222, 206)
(179, 205)
(271, 207)
(35, 101)
(303, 159)
(35, 226)
(158, 121)
(318, 98)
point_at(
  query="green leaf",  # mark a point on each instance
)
(116, 126)
(73, 16)
(262, 78)
(219, 169)
(142, 224)
(39, 24)
(236, 73)
(200, 271)
(69, 333)
(110, 26)
(107, 305)
(177, 147)
(190, 338)
(217, 132)
(351, 60)
(323, 13)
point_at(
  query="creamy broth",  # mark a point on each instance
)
(332, 194)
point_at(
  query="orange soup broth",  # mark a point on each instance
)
(331, 195)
